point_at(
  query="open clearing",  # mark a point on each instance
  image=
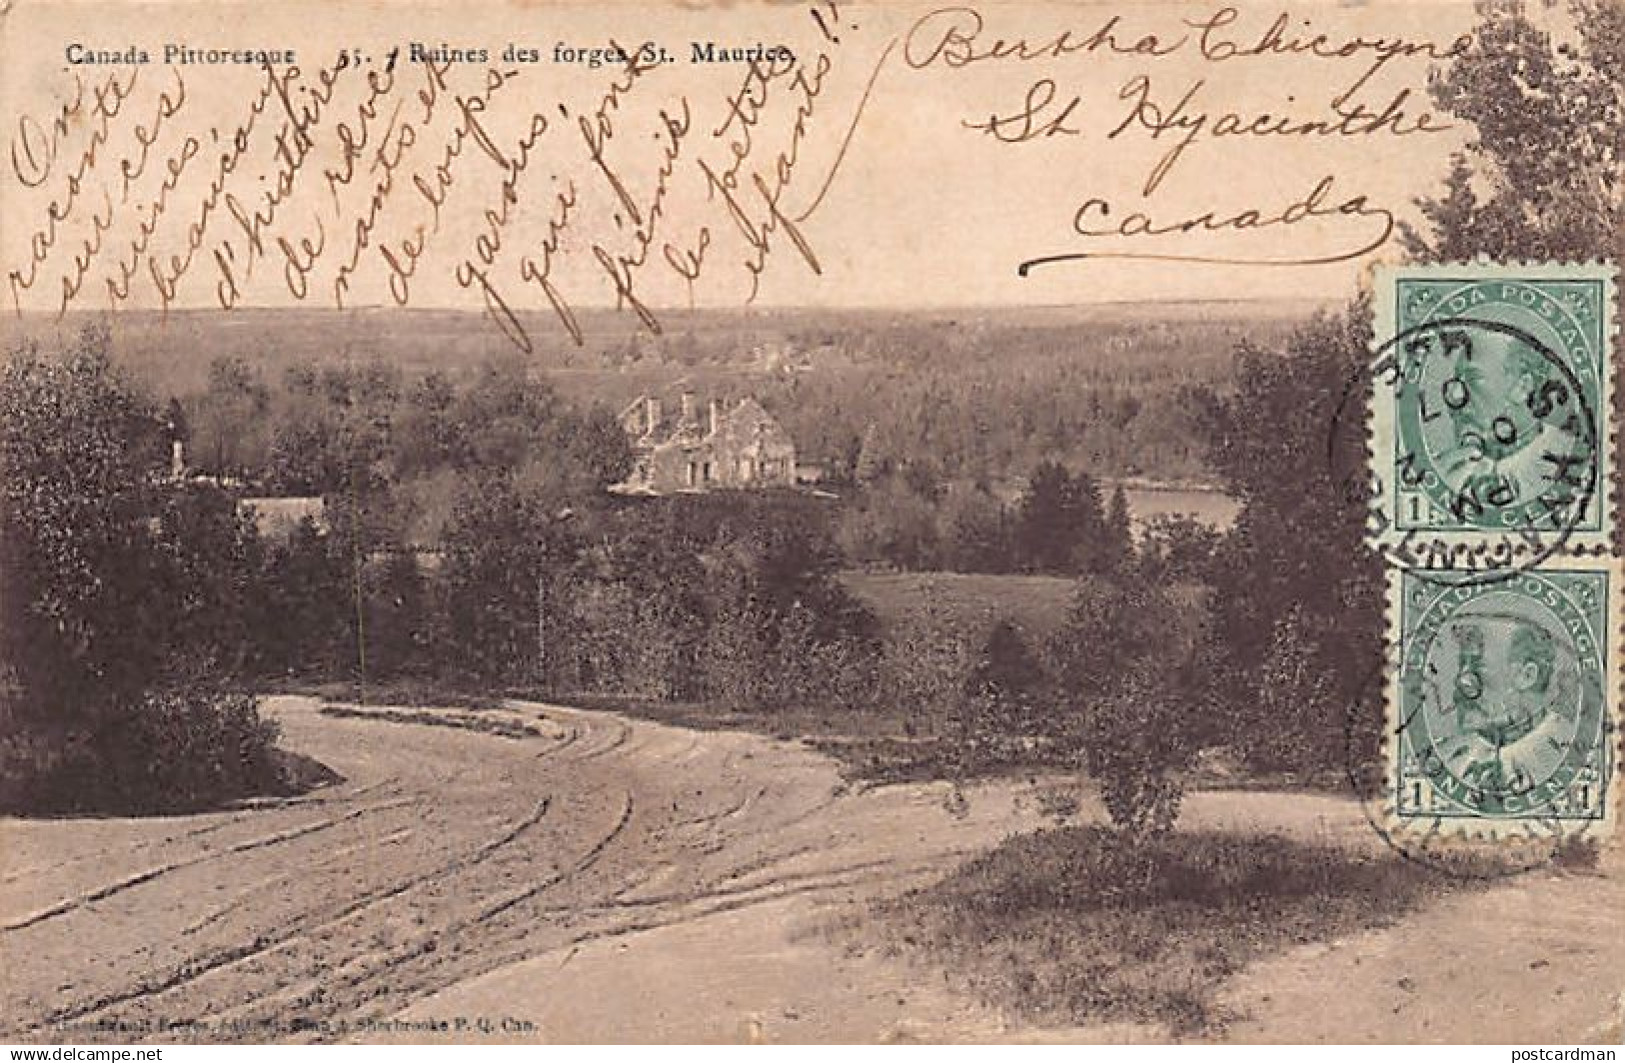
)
(607, 879)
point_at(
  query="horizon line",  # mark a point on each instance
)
(733, 309)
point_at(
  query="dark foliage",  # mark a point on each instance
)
(1004, 704)
(505, 554)
(1177, 549)
(302, 616)
(77, 450)
(1297, 596)
(1073, 926)
(174, 751)
(125, 605)
(1130, 668)
(1544, 177)
(1296, 591)
(728, 598)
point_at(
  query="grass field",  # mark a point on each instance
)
(1051, 926)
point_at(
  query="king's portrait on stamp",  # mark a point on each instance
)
(1492, 436)
(1495, 420)
(1504, 710)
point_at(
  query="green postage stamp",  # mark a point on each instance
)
(1491, 448)
(1504, 696)
(1492, 407)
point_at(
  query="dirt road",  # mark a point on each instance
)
(598, 880)
(446, 854)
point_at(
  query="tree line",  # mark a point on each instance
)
(141, 605)
(1062, 524)
(365, 431)
(135, 610)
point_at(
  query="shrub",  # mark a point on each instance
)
(1136, 743)
(658, 650)
(1294, 723)
(185, 750)
(164, 751)
(736, 657)
(304, 606)
(1004, 697)
(1011, 677)
(1132, 691)
(923, 669)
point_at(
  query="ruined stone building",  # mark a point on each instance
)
(738, 446)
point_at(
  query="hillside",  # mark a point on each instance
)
(171, 352)
(974, 394)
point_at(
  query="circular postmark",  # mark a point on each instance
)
(1502, 712)
(1485, 458)
(1493, 849)
(1492, 427)
(1498, 738)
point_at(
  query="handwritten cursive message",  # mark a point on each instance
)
(347, 181)
(535, 173)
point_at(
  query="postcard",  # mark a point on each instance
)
(677, 521)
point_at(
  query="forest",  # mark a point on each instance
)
(927, 427)
(979, 395)
(465, 539)
(469, 538)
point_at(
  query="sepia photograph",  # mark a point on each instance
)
(667, 523)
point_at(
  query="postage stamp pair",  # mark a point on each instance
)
(1492, 450)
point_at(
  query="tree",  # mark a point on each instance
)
(798, 665)
(1060, 524)
(229, 418)
(891, 525)
(1542, 178)
(306, 451)
(1112, 624)
(1133, 685)
(122, 611)
(1136, 743)
(304, 610)
(869, 463)
(1298, 724)
(737, 655)
(426, 438)
(1177, 548)
(1007, 689)
(394, 603)
(1117, 534)
(922, 670)
(79, 452)
(975, 534)
(1289, 444)
(500, 548)
(208, 555)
